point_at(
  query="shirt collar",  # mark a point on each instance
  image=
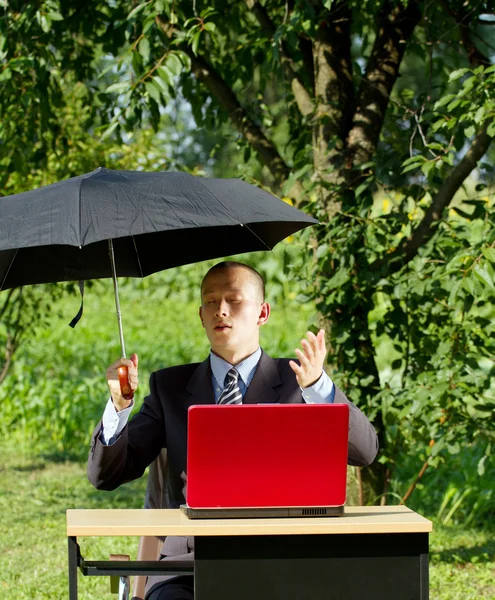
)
(246, 368)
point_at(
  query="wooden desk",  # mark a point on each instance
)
(375, 552)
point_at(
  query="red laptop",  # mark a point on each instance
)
(266, 460)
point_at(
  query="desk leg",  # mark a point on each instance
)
(312, 567)
(73, 559)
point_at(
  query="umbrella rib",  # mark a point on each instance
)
(256, 235)
(234, 215)
(137, 256)
(227, 209)
(8, 270)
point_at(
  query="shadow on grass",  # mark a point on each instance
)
(29, 468)
(465, 554)
(56, 457)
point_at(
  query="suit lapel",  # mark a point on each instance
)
(266, 384)
(265, 387)
(199, 389)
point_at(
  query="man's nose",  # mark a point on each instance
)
(222, 308)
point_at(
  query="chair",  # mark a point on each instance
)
(156, 497)
(149, 547)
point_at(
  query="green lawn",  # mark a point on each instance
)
(36, 491)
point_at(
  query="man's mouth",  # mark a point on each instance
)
(221, 327)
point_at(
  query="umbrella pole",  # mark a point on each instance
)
(117, 303)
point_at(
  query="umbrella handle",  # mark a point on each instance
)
(125, 385)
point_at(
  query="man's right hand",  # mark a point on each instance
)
(113, 380)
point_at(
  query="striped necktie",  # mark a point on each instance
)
(231, 393)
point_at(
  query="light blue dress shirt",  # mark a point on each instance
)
(321, 392)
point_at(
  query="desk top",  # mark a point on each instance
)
(158, 522)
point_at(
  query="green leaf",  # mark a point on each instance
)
(161, 85)
(340, 277)
(453, 292)
(166, 76)
(45, 23)
(144, 48)
(483, 275)
(195, 42)
(137, 10)
(480, 115)
(481, 466)
(302, 171)
(413, 159)
(187, 22)
(6, 74)
(55, 16)
(174, 64)
(363, 186)
(109, 130)
(443, 101)
(428, 166)
(411, 167)
(123, 86)
(491, 129)
(153, 91)
(208, 12)
(454, 104)
(489, 254)
(457, 74)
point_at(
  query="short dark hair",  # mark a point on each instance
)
(232, 264)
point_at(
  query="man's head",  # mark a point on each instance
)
(232, 309)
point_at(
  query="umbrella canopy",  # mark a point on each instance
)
(156, 221)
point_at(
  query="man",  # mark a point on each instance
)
(233, 309)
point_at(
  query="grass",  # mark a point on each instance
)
(36, 490)
(34, 495)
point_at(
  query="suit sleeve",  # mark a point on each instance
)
(138, 445)
(363, 441)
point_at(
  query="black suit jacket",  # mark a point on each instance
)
(162, 423)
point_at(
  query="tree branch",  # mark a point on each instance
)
(397, 23)
(301, 94)
(218, 87)
(463, 19)
(334, 90)
(409, 248)
(306, 49)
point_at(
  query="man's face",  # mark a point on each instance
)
(232, 311)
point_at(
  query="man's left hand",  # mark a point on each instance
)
(311, 359)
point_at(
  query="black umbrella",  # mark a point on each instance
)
(150, 221)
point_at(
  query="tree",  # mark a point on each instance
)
(337, 104)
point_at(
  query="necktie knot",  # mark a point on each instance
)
(232, 376)
(231, 393)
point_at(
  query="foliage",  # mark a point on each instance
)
(335, 104)
(434, 302)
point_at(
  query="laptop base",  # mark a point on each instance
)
(261, 513)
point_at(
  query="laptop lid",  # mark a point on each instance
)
(267, 455)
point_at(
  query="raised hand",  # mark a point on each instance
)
(311, 358)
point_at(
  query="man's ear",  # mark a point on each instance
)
(264, 313)
(201, 315)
